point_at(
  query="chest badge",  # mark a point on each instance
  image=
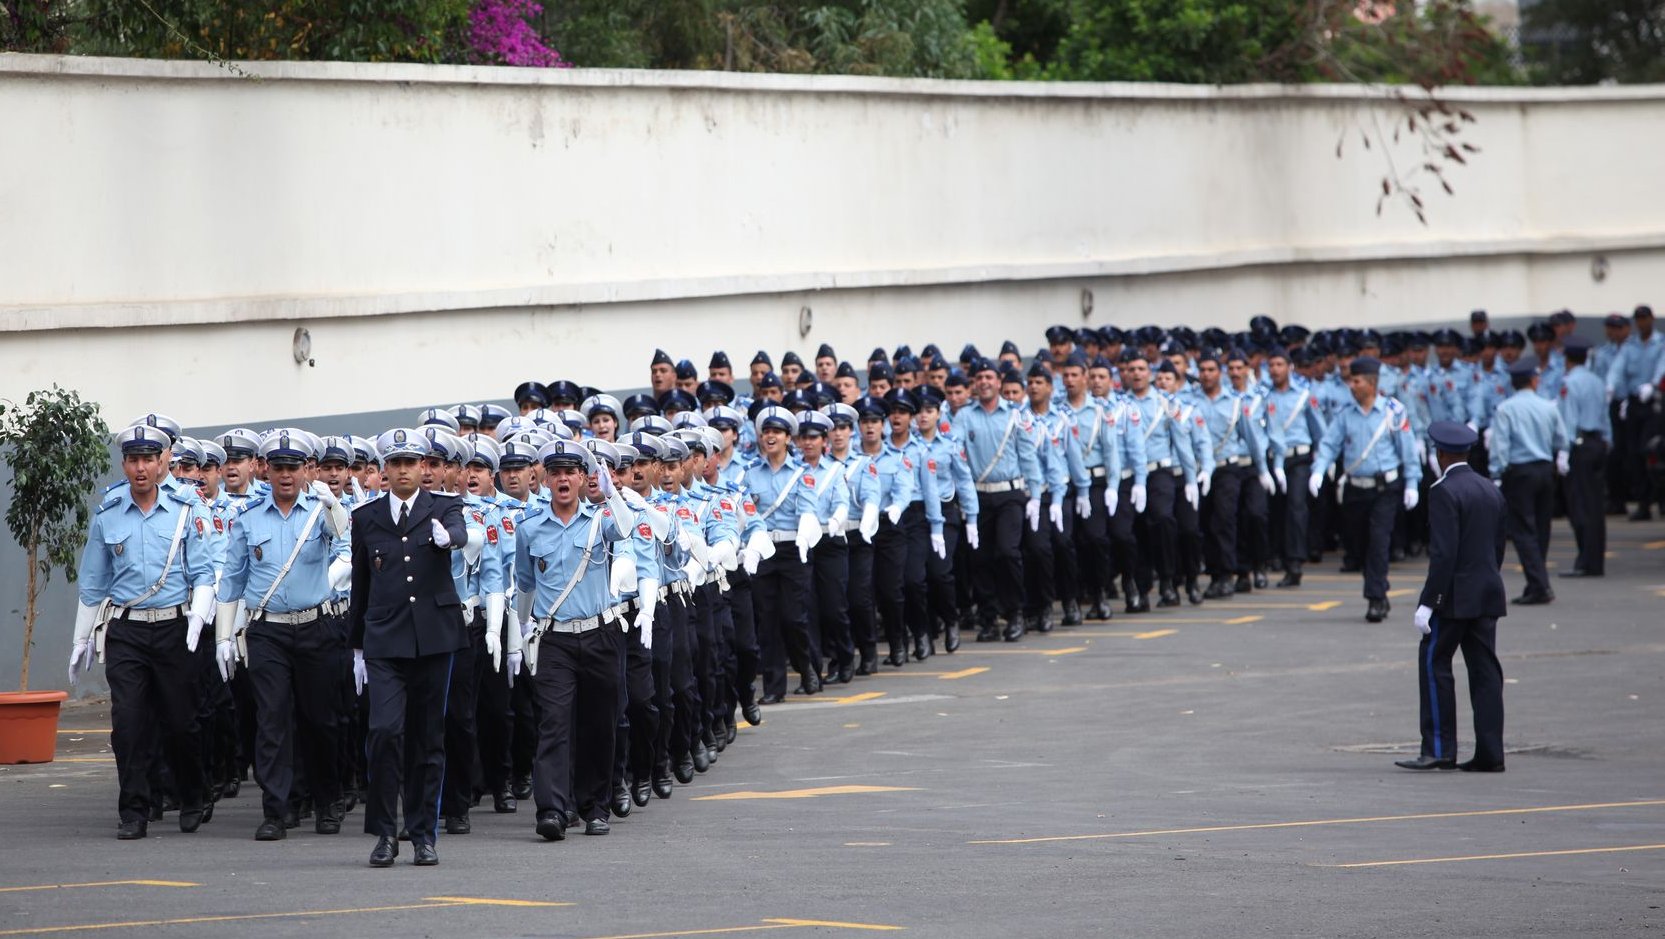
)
(377, 564)
(118, 549)
(258, 553)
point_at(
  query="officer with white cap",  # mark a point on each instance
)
(786, 504)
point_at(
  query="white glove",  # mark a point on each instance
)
(809, 535)
(749, 560)
(895, 513)
(1032, 512)
(1140, 494)
(1624, 408)
(649, 597)
(494, 630)
(1563, 463)
(1282, 478)
(725, 555)
(340, 574)
(1084, 504)
(869, 524)
(1644, 392)
(972, 538)
(361, 675)
(1315, 482)
(623, 576)
(659, 523)
(1473, 426)
(1112, 499)
(359, 495)
(336, 518)
(765, 544)
(604, 483)
(202, 609)
(1498, 483)
(1412, 497)
(1055, 515)
(835, 525)
(1424, 615)
(695, 573)
(1205, 482)
(1434, 463)
(515, 659)
(1421, 451)
(475, 544)
(1267, 483)
(442, 538)
(1486, 438)
(1192, 495)
(225, 653)
(939, 544)
(81, 652)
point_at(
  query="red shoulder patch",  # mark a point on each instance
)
(1271, 408)
(932, 464)
(809, 481)
(201, 529)
(873, 468)
(219, 526)
(508, 525)
(480, 517)
(907, 462)
(727, 504)
(491, 534)
(751, 509)
(944, 427)
(644, 530)
(684, 513)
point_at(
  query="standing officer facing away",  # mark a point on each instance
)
(405, 624)
(1460, 606)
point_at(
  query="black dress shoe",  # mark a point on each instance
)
(1242, 584)
(1347, 568)
(752, 713)
(1099, 610)
(812, 682)
(386, 850)
(522, 787)
(684, 769)
(293, 818)
(1290, 579)
(271, 829)
(328, 822)
(730, 731)
(1014, 631)
(640, 792)
(865, 666)
(1193, 595)
(1167, 597)
(1072, 614)
(156, 811)
(1138, 602)
(597, 826)
(458, 825)
(1425, 762)
(230, 789)
(922, 648)
(621, 801)
(699, 757)
(426, 856)
(1475, 766)
(988, 633)
(1533, 599)
(896, 659)
(208, 813)
(132, 831)
(1042, 623)
(190, 820)
(573, 821)
(1375, 611)
(845, 674)
(773, 698)
(503, 802)
(404, 834)
(1260, 580)
(951, 638)
(1219, 589)
(662, 784)
(551, 826)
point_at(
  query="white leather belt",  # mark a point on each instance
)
(1098, 472)
(336, 607)
(1371, 482)
(295, 618)
(682, 588)
(615, 613)
(469, 606)
(1238, 461)
(1300, 450)
(158, 615)
(571, 626)
(779, 536)
(1007, 485)
(851, 526)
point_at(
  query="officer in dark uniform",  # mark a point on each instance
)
(405, 623)
(1460, 606)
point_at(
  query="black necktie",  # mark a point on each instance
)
(404, 513)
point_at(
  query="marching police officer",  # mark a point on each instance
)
(1529, 445)
(1007, 476)
(1584, 412)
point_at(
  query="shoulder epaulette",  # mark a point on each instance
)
(110, 502)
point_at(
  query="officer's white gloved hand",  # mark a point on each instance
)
(1205, 482)
(1412, 497)
(515, 659)
(1084, 504)
(1486, 438)
(649, 603)
(1268, 483)
(199, 615)
(494, 648)
(622, 578)
(442, 538)
(972, 537)
(809, 535)
(1055, 515)
(340, 574)
(939, 544)
(1434, 463)
(895, 513)
(1282, 478)
(1424, 616)
(225, 654)
(1315, 482)
(1624, 408)
(1498, 483)
(1644, 392)
(1112, 499)
(359, 495)
(361, 675)
(322, 490)
(1192, 495)
(1140, 496)
(695, 573)
(749, 560)
(1563, 463)
(604, 483)
(869, 524)
(835, 525)
(725, 555)
(80, 660)
(1032, 512)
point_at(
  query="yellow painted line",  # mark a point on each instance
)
(832, 924)
(1257, 605)
(1532, 810)
(1242, 620)
(1326, 605)
(1499, 857)
(1401, 592)
(1070, 651)
(87, 730)
(803, 793)
(488, 901)
(1653, 545)
(1155, 634)
(866, 844)
(964, 673)
(103, 883)
(192, 920)
(945, 676)
(847, 699)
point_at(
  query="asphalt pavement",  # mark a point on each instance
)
(1218, 770)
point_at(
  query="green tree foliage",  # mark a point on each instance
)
(1192, 41)
(57, 448)
(1581, 42)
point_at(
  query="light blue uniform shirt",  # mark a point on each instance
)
(779, 507)
(1584, 405)
(862, 481)
(1491, 387)
(1526, 428)
(1639, 361)
(916, 464)
(945, 458)
(127, 546)
(1052, 452)
(1166, 441)
(262, 538)
(1354, 429)
(476, 580)
(1448, 391)
(1231, 427)
(548, 552)
(982, 431)
(1550, 379)
(832, 490)
(1294, 418)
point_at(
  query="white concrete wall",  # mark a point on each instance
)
(562, 224)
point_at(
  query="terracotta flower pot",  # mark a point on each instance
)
(29, 725)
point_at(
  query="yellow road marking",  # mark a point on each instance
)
(1401, 592)
(1256, 605)
(832, 924)
(803, 793)
(945, 676)
(191, 920)
(847, 699)
(767, 924)
(103, 883)
(1499, 857)
(488, 901)
(1533, 810)
(1326, 605)
(1653, 545)
(964, 673)
(866, 844)
(1070, 651)
(1242, 620)
(1155, 634)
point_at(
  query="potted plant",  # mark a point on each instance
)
(57, 448)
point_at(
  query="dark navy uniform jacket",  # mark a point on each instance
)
(405, 601)
(1465, 546)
